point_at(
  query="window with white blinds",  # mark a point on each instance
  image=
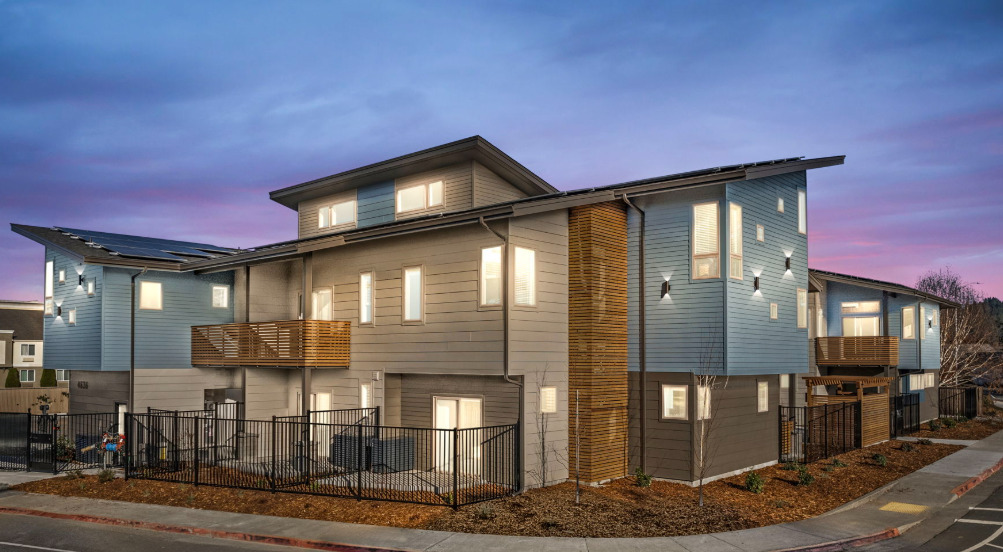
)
(48, 288)
(491, 276)
(706, 241)
(525, 277)
(802, 212)
(802, 308)
(861, 326)
(674, 402)
(366, 298)
(909, 323)
(548, 400)
(412, 294)
(735, 241)
(323, 304)
(762, 396)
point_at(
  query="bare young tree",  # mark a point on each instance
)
(710, 382)
(965, 332)
(548, 451)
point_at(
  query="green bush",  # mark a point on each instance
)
(837, 463)
(643, 479)
(792, 466)
(906, 447)
(805, 477)
(13, 379)
(950, 422)
(880, 459)
(485, 511)
(924, 441)
(934, 425)
(48, 378)
(104, 476)
(754, 482)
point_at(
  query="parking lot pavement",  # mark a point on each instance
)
(979, 530)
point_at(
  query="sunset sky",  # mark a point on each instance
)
(175, 119)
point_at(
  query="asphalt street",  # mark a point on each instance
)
(979, 530)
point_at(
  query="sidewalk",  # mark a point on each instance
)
(882, 514)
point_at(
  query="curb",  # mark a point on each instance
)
(975, 481)
(852, 542)
(198, 531)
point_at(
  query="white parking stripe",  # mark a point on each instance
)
(34, 547)
(994, 545)
(979, 521)
(985, 542)
(986, 509)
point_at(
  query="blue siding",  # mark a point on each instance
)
(73, 347)
(757, 344)
(376, 204)
(837, 293)
(931, 345)
(908, 348)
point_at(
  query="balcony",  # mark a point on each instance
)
(857, 351)
(284, 343)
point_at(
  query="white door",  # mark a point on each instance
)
(320, 405)
(457, 414)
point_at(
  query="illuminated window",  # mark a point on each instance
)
(760, 233)
(802, 308)
(548, 400)
(365, 395)
(780, 205)
(62, 276)
(774, 311)
(735, 241)
(337, 214)
(323, 304)
(90, 287)
(909, 323)
(418, 197)
(802, 212)
(151, 296)
(71, 318)
(366, 298)
(525, 276)
(674, 402)
(706, 242)
(412, 294)
(861, 326)
(785, 381)
(48, 289)
(762, 396)
(858, 307)
(491, 276)
(220, 297)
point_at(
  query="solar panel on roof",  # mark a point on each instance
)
(147, 248)
(158, 242)
(145, 253)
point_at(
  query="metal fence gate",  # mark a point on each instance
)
(56, 442)
(811, 433)
(904, 414)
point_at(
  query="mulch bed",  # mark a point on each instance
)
(619, 509)
(976, 429)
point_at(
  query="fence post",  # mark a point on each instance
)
(27, 443)
(174, 437)
(456, 468)
(780, 434)
(359, 451)
(127, 431)
(197, 450)
(54, 434)
(273, 474)
(215, 436)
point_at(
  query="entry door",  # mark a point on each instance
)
(457, 413)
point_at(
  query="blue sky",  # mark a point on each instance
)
(176, 119)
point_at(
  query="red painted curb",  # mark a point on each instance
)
(978, 479)
(852, 542)
(186, 530)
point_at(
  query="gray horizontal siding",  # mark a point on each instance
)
(308, 214)
(457, 189)
(489, 188)
(74, 347)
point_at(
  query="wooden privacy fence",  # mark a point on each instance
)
(857, 351)
(875, 420)
(23, 399)
(285, 343)
(959, 402)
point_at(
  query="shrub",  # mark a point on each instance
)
(934, 425)
(485, 511)
(950, 422)
(805, 477)
(906, 447)
(962, 419)
(837, 463)
(48, 378)
(880, 459)
(754, 482)
(73, 474)
(924, 441)
(792, 466)
(549, 524)
(13, 379)
(780, 503)
(643, 479)
(106, 475)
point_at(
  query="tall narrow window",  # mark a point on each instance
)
(802, 212)
(922, 322)
(324, 217)
(151, 296)
(936, 317)
(62, 276)
(703, 402)
(220, 297)
(90, 287)
(735, 241)
(909, 323)
(674, 402)
(774, 311)
(525, 277)
(802, 308)
(323, 300)
(760, 233)
(435, 193)
(366, 298)
(785, 381)
(762, 396)
(548, 399)
(491, 276)
(780, 205)
(365, 395)
(48, 288)
(706, 243)
(412, 294)
(71, 318)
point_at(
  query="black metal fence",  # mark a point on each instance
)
(959, 402)
(811, 433)
(362, 460)
(904, 414)
(218, 410)
(56, 442)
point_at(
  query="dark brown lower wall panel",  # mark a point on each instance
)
(500, 398)
(94, 391)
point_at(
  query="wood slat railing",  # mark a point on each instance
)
(284, 343)
(857, 351)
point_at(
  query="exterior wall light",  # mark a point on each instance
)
(81, 280)
(787, 263)
(665, 288)
(755, 283)
(59, 311)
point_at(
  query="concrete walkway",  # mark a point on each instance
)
(961, 442)
(884, 513)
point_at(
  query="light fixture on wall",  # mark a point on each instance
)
(755, 283)
(929, 323)
(787, 262)
(665, 288)
(81, 280)
(59, 311)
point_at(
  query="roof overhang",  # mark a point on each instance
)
(106, 260)
(823, 275)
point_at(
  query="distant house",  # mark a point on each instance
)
(21, 341)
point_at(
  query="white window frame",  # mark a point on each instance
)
(30, 350)
(91, 287)
(929, 380)
(911, 319)
(704, 397)
(317, 293)
(366, 394)
(407, 292)
(157, 300)
(324, 216)
(367, 318)
(762, 396)
(354, 210)
(226, 297)
(668, 401)
(484, 302)
(802, 308)
(785, 381)
(760, 233)
(26, 371)
(522, 256)
(62, 375)
(62, 275)
(734, 241)
(780, 205)
(548, 399)
(428, 191)
(49, 308)
(71, 317)
(860, 307)
(774, 311)
(802, 211)
(716, 255)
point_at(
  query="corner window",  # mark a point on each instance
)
(151, 296)
(90, 287)
(525, 277)
(735, 241)
(62, 375)
(909, 323)
(418, 197)
(706, 242)
(413, 294)
(785, 381)
(62, 276)
(220, 297)
(366, 298)
(802, 212)
(674, 402)
(780, 205)
(71, 318)
(760, 233)
(323, 304)
(48, 288)
(548, 400)
(27, 376)
(774, 311)
(491, 276)
(762, 396)
(365, 395)
(703, 402)
(324, 217)
(802, 308)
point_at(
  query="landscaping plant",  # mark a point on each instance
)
(805, 478)
(106, 475)
(485, 511)
(792, 466)
(950, 422)
(924, 442)
(837, 463)
(906, 447)
(754, 482)
(13, 379)
(881, 459)
(643, 479)
(934, 425)
(48, 378)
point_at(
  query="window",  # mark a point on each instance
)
(860, 307)
(366, 298)
(762, 396)
(774, 311)
(703, 402)
(27, 376)
(27, 349)
(706, 244)
(922, 322)
(735, 241)
(90, 287)
(929, 379)
(435, 193)
(412, 294)
(220, 297)
(324, 217)
(151, 296)
(935, 319)
(323, 304)
(802, 308)
(414, 198)
(343, 213)
(48, 289)
(365, 395)
(861, 326)
(525, 277)
(71, 318)
(62, 276)
(62, 375)
(909, 323)
(674, 402)
(785, 381)
(760, 233)
(548, 400)
(921, 381)
(491, 276)
(780, 205)
(802, 212)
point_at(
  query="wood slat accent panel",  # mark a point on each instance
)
(857, 351)
(875, 424)
(284, 343)
(597, 341)
(23, 398)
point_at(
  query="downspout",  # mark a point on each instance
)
(132, 341)
(642, 353)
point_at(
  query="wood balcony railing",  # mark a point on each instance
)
(857, 351)
(285, 343)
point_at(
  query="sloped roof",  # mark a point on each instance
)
(878, 284)
(25, 318)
